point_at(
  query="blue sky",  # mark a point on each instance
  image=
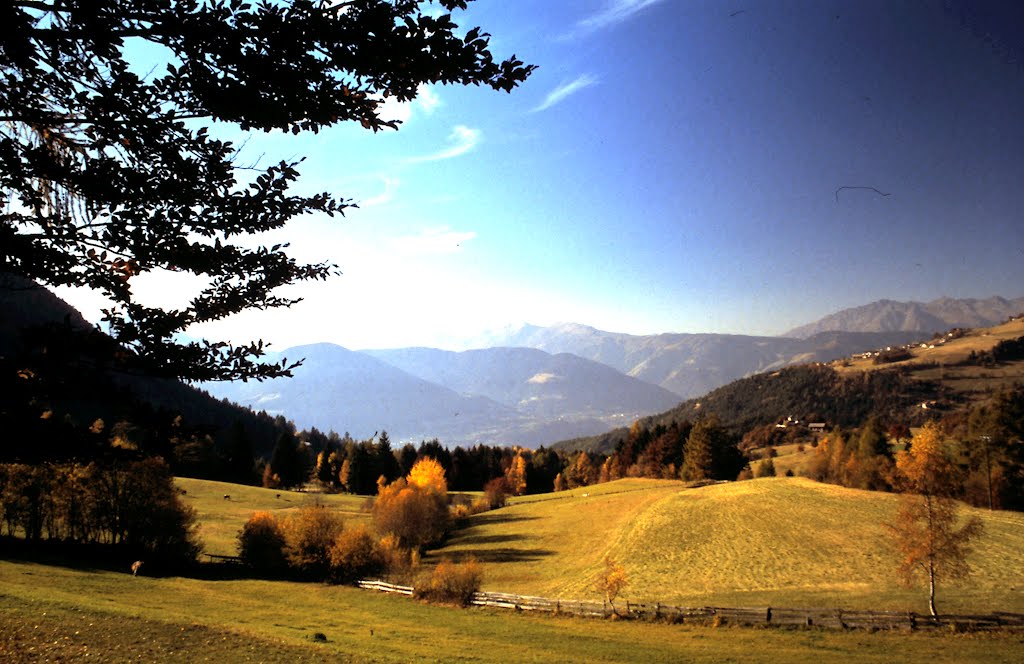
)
(673, 166)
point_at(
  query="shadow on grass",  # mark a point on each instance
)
(107, 558)
(488, 518)
(487, 539)
(506, 555)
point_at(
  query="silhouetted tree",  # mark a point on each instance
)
(114, 175)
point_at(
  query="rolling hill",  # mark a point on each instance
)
(769, 542)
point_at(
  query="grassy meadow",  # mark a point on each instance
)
(766, 542)
(59, 614)
(220, 519)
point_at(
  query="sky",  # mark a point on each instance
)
(672, 166)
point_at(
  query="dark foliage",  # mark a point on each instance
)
(111, 176)
(132, 508)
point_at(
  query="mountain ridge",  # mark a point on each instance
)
(938, 315)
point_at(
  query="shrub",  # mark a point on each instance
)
(610, 581)
(399, 562)
(356, 554)
(496, 492)
(480, 505)
(460, 512)
(309, 536)
(452, 582)
(767, 468)
(261, 543)
(415, 514)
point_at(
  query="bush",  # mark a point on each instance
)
(309, 536)
(496, 492)
(460, 512)
(261, 543)
(356, 554)
(399, 562)
(415, 514)
(480, 505)
(452, 583)
(767, 468)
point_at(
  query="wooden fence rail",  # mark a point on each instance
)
(817, 617)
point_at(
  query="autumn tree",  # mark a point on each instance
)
(581, 472)
(611, 581)
(261, 543)
(309, 535)
(110, 173)
(414, 509)
(355, 554)
(515, 476)
(926, 530)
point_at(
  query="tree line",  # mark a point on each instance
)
(129, 508)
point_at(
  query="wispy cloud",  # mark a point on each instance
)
(386, 196)
(462, 140)
(441, 240)
(615, 11)
(564, 90)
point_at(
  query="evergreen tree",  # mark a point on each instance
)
(286, 461)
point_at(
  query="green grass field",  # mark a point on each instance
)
(60, 614)
(768, 542)
(221, 519)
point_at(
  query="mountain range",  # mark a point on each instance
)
(542, 384)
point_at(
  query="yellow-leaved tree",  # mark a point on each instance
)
(414, 509)
(925, 529)
(611, 581)
(427, 473)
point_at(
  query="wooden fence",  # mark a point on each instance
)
(714, 615)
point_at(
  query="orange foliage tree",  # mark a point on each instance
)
(414, 509)
(925, 528)
(261, 543)
(611, 580)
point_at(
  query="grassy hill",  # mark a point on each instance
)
(220, 519)
(764, 542)
(778, 541)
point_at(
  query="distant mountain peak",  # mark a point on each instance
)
(927, 318)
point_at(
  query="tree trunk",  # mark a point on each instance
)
(931, 589)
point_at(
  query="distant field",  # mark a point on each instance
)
(779, 541)
(220, 519)
(60, 614)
